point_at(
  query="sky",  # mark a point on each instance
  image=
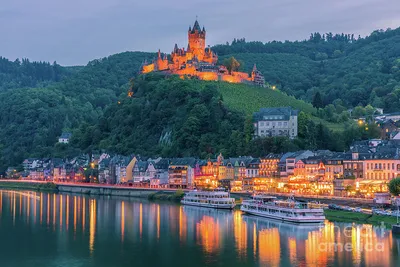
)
(73, 32)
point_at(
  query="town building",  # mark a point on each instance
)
(181, 172)
(276, 122)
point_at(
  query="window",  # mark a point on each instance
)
(285, 123)
(380, 166)
(261, 123)
(279, 123)
(267, 123)
(384, 166)
(367, 166)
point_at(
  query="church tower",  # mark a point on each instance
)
(197, 41)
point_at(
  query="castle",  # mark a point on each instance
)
(199, 61)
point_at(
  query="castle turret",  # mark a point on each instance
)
(256, 77)
(197, 40)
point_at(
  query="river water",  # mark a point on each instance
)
(41, 229)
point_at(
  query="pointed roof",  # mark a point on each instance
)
(196, 26)
(254, 67)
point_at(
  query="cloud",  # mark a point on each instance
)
(75, 31)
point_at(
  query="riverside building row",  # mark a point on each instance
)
(363, 171)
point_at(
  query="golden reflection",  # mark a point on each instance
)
(34, 207)
(158, 221)
(54, 211)
(240, 234)
(92, 223)
(83, 214)
(207, 234)
(61, 211)
(376, 246)
(122, 220)
(14, 208)
(20, 205)
(182, 224)
(41, 207)
(140, 219)
(254, 239)
(67, 213)
(292, 250)
(48, 209)
(313, 252)
(74, 214)
(269, 247)
(28, 207)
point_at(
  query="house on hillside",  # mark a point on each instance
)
(280, 121)
(64, 138)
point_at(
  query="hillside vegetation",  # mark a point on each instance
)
(38, 100)
(31, 119)
(250, 99)
(347, 71)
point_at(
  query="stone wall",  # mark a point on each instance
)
(109, 191)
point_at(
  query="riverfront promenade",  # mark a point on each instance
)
(125, 190)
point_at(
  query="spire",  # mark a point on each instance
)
(204, 30)
(159, 54)
(176, 48)
(190, 28)
(254, 68)
(196, 26)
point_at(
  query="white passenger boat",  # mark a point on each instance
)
(211, 199)
(283, 210)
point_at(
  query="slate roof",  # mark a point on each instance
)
(271, 114)
(196, 27)
(183, 161)
(66, 135)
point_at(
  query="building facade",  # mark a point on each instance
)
(276, 122)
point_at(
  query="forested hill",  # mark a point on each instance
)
(17, 74)
(38, 101)
(32, 118)
(347, 71)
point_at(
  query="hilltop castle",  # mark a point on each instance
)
(199, 61)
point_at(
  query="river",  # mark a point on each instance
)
(46, 229)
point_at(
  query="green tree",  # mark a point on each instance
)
(317, 101)
(231, 64)
(394, 186)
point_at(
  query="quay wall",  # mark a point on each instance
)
(109, 191)
(89, 189)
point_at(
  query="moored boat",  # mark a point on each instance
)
(211, 199)
(283, 210)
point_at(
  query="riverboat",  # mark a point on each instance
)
(283, 210)
(211, 199)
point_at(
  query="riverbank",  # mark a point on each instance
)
(348, 216)
(40, 187)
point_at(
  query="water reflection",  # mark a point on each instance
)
(87, 227)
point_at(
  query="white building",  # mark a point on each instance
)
(64, 138)
(276, 122)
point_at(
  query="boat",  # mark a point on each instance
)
(217, 199)
(283, 210)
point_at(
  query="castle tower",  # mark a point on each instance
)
(197, 40)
